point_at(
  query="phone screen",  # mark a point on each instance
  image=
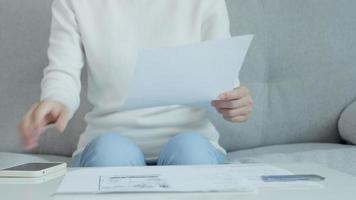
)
(32, 167)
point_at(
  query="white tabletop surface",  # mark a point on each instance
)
(337, 186)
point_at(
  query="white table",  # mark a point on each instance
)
(337, 186)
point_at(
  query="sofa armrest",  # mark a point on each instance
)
(347, 124)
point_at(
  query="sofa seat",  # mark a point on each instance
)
(336, 156)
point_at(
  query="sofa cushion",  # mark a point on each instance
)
(336, 156)
(24, 33)
(308, 58)
(347, 124)
(13, 159)
(300, 70)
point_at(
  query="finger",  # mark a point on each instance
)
(31, 145)
(238, 119)
(25, 128)
(246, 101)
(63, 120)
(231, 113)
(31, 141)
(39, 115)
(29, 133)
(237, 93)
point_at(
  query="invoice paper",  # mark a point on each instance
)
(191, 75)
(242, 178)
(156, 179)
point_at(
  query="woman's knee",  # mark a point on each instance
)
(111, 150)
(189, 149)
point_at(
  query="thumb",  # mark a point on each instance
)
(63, 120)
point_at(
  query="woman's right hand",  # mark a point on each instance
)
(39, 116)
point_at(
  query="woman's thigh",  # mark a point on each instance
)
(110, 149)
(190, 149)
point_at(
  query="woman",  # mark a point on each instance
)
(107, 34)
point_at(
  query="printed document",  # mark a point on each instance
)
(241, 178)
(225, 178)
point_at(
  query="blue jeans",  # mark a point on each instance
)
(116, 150)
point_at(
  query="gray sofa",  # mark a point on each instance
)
(301, 70)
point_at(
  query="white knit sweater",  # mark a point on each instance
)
(107, 35)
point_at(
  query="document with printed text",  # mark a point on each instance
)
(156, 179)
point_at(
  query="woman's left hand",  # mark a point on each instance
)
(235, 105)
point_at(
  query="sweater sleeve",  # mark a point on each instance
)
(216, 23)
(61, 81)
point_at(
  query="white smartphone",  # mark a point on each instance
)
(31, 170)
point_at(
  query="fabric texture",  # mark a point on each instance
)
(112, 149)
(190, 149)
(347, 124)
(336, 156)
(300, 70)
(109, 44)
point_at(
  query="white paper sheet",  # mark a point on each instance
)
(192, 75)
(243, 178)
(155, 179)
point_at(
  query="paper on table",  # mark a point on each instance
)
(245, 178)
(192, 75)
(154, 179)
